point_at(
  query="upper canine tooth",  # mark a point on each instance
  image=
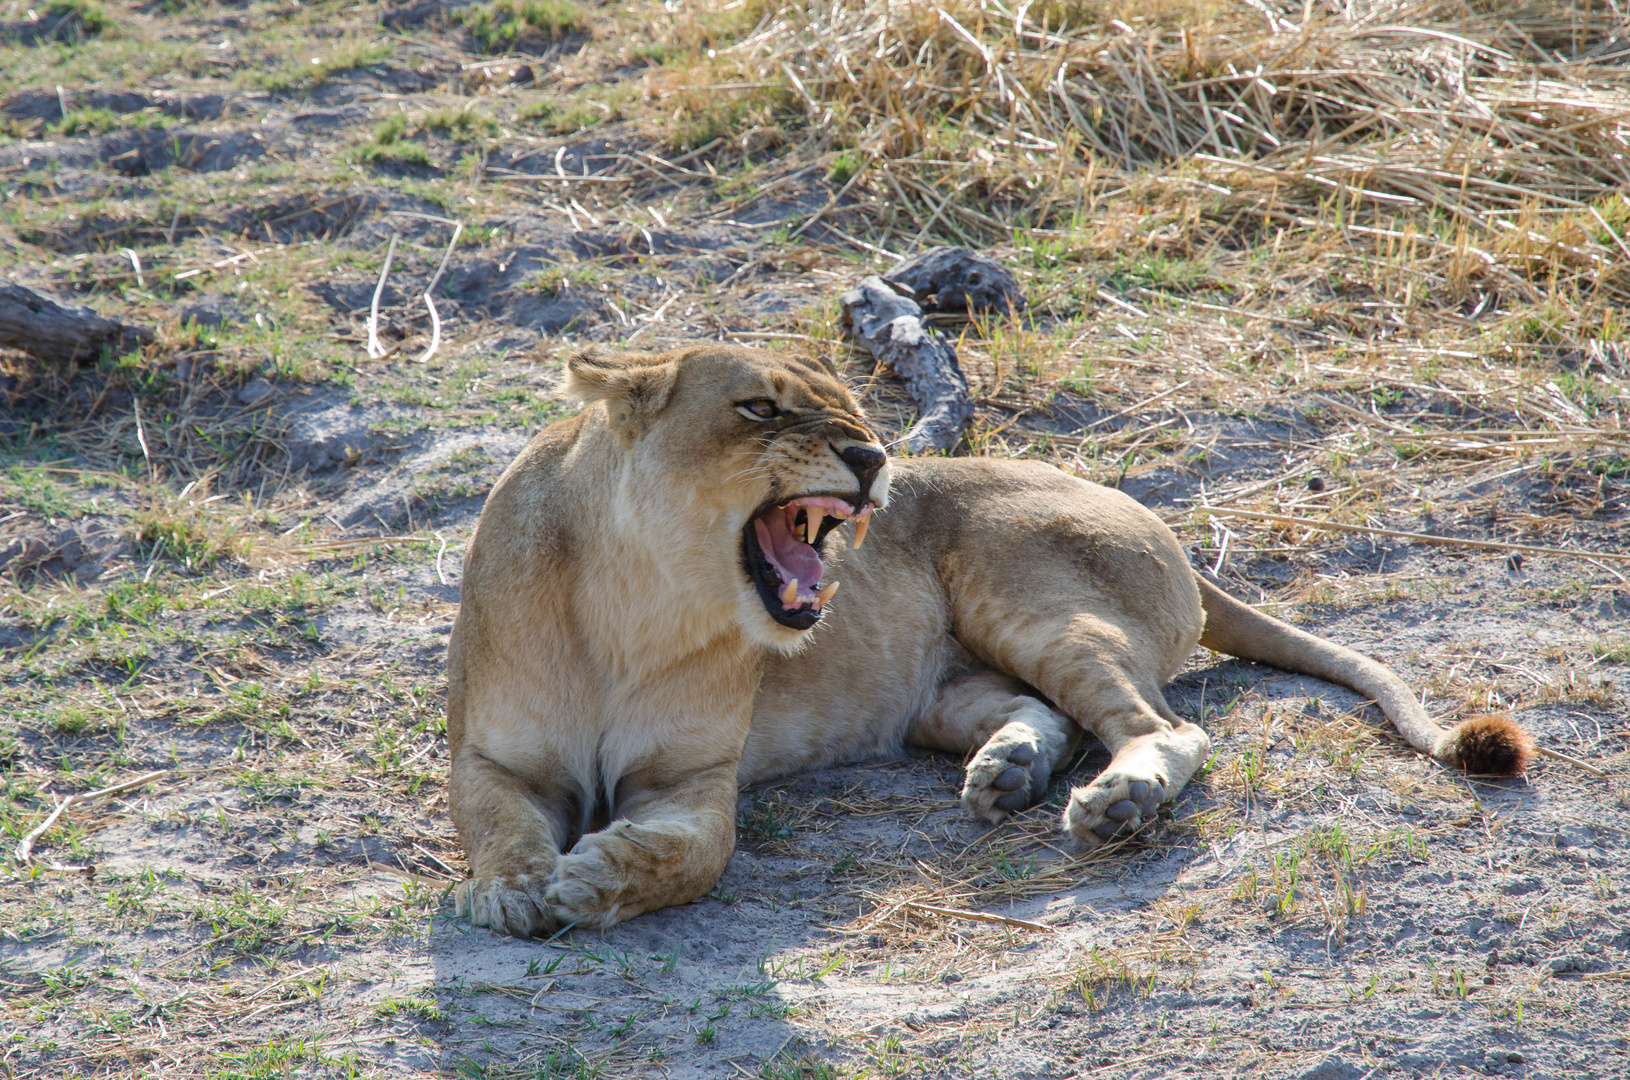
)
(812, 523)
(789, 594)
(860, 528)
(824, 595)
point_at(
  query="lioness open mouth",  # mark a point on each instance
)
(781, 552)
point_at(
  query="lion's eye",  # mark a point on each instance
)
(759, 409)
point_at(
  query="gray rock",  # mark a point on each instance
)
(1333, 1068)
(256, 390)
(211, 310)
(24, 551)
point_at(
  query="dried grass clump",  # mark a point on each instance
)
(988, 116)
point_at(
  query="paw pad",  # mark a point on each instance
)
(1096, 814)
(1004, 779)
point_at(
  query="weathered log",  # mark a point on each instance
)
(42, 327)
(946, 279)
(890, 327)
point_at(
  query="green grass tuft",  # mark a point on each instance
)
(521, 24)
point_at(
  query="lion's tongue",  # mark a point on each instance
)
(791, 558)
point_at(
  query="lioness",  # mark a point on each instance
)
(649, 621)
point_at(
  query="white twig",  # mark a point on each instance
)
(375, 350)
(25, 846)
(435, 331)
(441, 551)
(1222, 553)
(135, 262)
(435, 316)
(141, 436)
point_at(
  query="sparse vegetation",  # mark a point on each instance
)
(521, 25)
(390, 143)
(1325, 267)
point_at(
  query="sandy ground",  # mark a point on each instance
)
(1320, 903)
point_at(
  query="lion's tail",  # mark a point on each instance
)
(1485, 745)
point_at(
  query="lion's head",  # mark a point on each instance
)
(743, 462)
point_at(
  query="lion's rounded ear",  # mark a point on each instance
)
(634, 386)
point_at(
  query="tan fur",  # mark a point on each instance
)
(613, 676)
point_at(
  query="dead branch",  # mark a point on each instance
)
(41, 327)
(890, 327)
(25, 846)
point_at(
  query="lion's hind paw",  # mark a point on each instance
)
(1008, 774)
(1111, 807)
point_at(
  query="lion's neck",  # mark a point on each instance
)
(655, 573)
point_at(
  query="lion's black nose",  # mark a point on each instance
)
(866, 462)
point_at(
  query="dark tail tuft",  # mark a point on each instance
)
(1491, 746)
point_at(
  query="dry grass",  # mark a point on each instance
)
(1035, 113)
(1361, 265)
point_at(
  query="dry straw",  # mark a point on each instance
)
(974, 117)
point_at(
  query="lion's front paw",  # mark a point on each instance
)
(1114, 805)
(1008, 774)
(513, 904)
(586, 888)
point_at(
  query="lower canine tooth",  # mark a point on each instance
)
(789, 595)
(825, 594)
(860, 529)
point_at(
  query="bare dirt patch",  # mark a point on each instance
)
(1372, 286)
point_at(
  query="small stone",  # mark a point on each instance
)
(255, 390)
(1315, 483)
(1333, 1068)
(1514, 561)
(1515, 1057)
(523, 75)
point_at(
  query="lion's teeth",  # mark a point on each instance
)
(812, 523)
(789, 594)
(860, 529)
(824, 595)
